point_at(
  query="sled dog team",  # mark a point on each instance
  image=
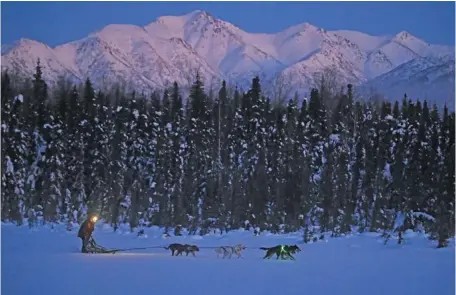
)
(90, 246)
(281, 251)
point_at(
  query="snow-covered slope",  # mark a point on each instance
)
(430, 78)
(174, 48)
(127, 53)
(21, 58)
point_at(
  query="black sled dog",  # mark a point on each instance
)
(282, 251)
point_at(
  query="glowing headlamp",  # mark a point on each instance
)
(94, 219)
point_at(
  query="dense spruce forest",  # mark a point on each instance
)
(225, 159)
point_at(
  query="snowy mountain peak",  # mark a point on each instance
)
(26, 43)
(308, 27)
(301, 29)
(403, 36)
(180, 21)
(406, 38)
(24, 46)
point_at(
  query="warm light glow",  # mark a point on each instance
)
(94, 219)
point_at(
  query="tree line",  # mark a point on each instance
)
(225, 160)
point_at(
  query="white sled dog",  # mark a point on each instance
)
(228, 251)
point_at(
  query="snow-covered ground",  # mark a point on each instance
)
(47, 261)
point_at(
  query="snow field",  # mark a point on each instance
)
(47, 261)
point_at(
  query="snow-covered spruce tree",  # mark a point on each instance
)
(278, 173)
(428, 155)
(413, 173)
(224, 111)
(144, 161)
(237, 146)
(104, 132)
(74, 156)
(136, 177)
(163, 178)
(210, 195)
(214, 192)
(304, 169)
(380, 217)
(60, 113)
(431, 163)
(92, 157)
(254, 160)
(369, 141)
(195, 172)
(152, 153)
(270, 128)
(120, 201)
(54, 169)
(293, 159)
(38, 136)
(397, 190)
(376, 167)
(393, 170)
(318, 135)
(357, 168)
(343, 138)
(178, 149)
(326, 189)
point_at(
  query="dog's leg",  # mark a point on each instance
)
(225, 252)
(288, 255)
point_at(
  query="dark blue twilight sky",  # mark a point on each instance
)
(55, 23)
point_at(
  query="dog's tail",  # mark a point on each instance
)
(264, 248)
(166, 248)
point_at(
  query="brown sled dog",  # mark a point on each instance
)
(282, 251)
(190, 249)
(178, 249)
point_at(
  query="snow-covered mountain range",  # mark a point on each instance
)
(174, 48)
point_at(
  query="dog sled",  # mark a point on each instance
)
(94, 248)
